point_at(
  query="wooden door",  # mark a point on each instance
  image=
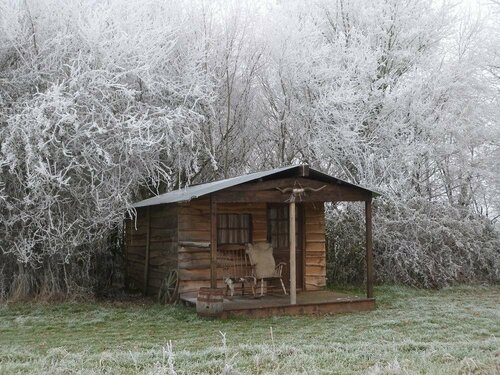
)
(278, 228)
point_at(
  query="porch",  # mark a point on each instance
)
(308, 302)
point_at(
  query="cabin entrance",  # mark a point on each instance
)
(278, 227)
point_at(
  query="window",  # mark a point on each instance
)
(278, 226)
(234, 228)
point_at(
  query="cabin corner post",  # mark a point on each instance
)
(369, 249)
(213, 243)
(293, 267)
(146, 256)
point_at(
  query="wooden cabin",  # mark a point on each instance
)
(196, 237)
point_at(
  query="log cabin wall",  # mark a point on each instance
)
(194, 245)
(194, 241)
(135, 248)
(315, 249)
(153, 238)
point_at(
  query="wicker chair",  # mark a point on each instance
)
(264, 266)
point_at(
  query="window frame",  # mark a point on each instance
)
(238, 230)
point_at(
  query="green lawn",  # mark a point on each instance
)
(451, 331)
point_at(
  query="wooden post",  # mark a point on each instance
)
(369, 249)
(213, 243)
(146, 256)
(293, 267)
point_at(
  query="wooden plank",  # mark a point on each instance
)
(370, 274)
(303, 309)
(188, 257)
(164, 222)
(165, 246)
(315, 246)
(192, 250)
(191, 244)
(278, 197)
(195, 274)
(213, 243)
(195, 264)
(165, 211)
(293, 267)
(282, 183)
(315, 237)
(193, 235)
(163, 233)
(193, 286)
(146, 256)
(315, 261)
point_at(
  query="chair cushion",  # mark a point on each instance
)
(261, 257)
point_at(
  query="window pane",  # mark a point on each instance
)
(233, 228)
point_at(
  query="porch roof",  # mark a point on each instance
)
(196, 191)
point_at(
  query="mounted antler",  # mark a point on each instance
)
(298, 191)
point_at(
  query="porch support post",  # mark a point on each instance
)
(369, 249)
(213, 243)
(293, 268)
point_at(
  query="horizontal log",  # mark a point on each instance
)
(260, 237)
(199, 255)
(164, 210)
(316, 261)
(301, 182)
(315, 270)
(315, 246)
(193, 235)
(194, 264)
(188, 251)
(163, 232)
(170, 263)
(240, 206)
(315, 279)
(313, 220)
(165, 247)
(315, 237)
(278, 197)
(191, 244)
(194, 210)
(164, 222)
(195, 274)
(197, 203)
(193, 286)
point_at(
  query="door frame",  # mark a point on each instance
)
(300, 212)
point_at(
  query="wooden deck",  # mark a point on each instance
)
(317, 302)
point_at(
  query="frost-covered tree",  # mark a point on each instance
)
(106, 102)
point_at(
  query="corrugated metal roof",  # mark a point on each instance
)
(197, 191)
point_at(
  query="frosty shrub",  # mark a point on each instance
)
(79, 139)
(417, 243)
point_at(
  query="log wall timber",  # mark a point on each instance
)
(135, 248)
(194, 239)
(267, 191)
(315, 249)
(162, 252)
